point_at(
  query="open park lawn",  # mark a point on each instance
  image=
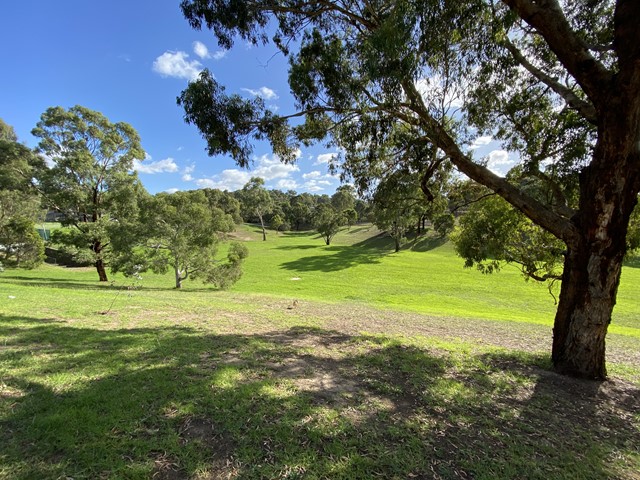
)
(346, 361)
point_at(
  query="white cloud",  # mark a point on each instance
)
(287, 184)
(314, 174)
(172, 190)
(232, 179)
(499, 162)
(175, 64)
(268, 168)
(201, 50)
(432, 89)
(271, 168)
(480, 141)
(312, 186)
(219, 54)
(160, 166)
(264, 92)
(186, 173)
(325, 158)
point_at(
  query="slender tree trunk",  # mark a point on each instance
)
(397, 244)
(178, 275)
(264, 231)
(102, 273)
(97, 248)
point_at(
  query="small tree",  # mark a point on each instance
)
(492, 232)
(327, 222)
(257, 201)
(178, 231)
(300, 210)
(350, 216)
(277, 222)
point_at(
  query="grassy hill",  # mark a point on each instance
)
(344, 361)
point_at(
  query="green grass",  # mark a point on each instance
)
(426, 277)
(98, 381)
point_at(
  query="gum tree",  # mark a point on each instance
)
(557, 82)
(90, 180)
(257, 201)
(178, 232)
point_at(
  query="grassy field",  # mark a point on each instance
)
(339, 362)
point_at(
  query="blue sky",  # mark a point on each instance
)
(130, 60)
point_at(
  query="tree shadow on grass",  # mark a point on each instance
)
(342, 257)
(120, 285)
(177, 403)
(427, 243)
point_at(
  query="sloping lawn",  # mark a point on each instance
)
(347, 361)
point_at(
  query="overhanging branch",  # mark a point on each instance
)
(586, 109)
(532, 208)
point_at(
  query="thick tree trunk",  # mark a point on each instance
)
(595, 252)
(397, 244)
(588, 295)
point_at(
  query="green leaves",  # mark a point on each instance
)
(492, 232)
(229, 122)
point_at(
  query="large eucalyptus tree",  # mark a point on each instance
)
(557, 81)
(90, 179)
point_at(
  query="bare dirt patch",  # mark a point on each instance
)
(204, 431)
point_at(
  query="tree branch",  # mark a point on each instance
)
(532, 208)
(548, 19)
(586, 109)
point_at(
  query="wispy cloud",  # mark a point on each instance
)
(287, 184)
(264, 92)
(316, 185)
(186, 173)
(160, 166)
(310, 175)
(177, 65)
(172, 190)
(268, 167)
(271, 168)
(201, 50)
(325, 158)
(232, 179)
(219, 54)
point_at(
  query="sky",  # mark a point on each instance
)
(130, 60)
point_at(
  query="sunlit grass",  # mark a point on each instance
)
(119, 382)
